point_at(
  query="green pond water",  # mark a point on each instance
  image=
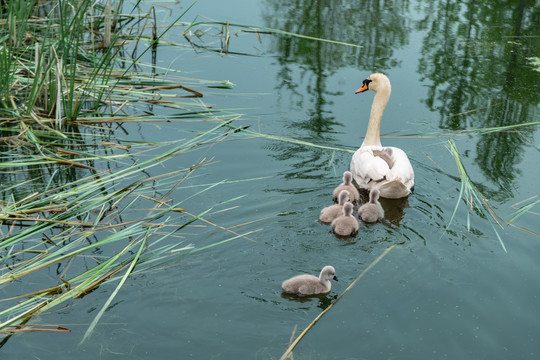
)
(470, 292)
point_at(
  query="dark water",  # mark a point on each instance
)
(458, 294)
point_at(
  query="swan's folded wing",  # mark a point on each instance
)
(366, 166)
(402, 169)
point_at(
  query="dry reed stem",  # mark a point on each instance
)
(22, 328)
(68, 162)
(49, 291)
(473, 110)
(8, 218)
(523, 229)
(515, 206)
(433, 161)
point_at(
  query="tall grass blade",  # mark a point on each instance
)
(90, 329)
(472, 195)
(524, 209)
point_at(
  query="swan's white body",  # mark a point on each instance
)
(373, 166)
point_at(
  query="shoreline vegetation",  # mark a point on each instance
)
(71, 75)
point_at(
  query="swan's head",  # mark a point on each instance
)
(374, 82)
(328, 273)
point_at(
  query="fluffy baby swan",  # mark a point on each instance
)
(347, 184)
(331, 212)
(371, 211)
(386, 155)
(310, 285)
(345, 224)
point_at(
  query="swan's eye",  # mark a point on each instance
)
(366, 82)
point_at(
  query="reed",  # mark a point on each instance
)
(224, 34)
(74, 66)
(525, 207)
(476, 200)
(479, 203)
(67, 222)
(75, 197)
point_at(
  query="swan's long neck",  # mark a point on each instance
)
(373, 137)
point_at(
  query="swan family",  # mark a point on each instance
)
(384, 172)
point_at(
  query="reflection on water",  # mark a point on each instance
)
(479, 76)
(378, 28)
(324, 299)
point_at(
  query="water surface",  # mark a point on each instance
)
(438, 294)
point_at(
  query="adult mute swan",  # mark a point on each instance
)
(310, 285)
(373, 166)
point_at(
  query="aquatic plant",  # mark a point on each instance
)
(80, 206)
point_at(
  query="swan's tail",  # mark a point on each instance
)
(394, 189)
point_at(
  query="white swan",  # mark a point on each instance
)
(373, 166)
(310, 285)
(371, 211)
(329, 213)
(347, 184)
(346, 224)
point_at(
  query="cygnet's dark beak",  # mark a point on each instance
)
(335, 278)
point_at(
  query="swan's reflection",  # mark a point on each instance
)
(324, 299)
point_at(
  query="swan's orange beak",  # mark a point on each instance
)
(363, 88)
